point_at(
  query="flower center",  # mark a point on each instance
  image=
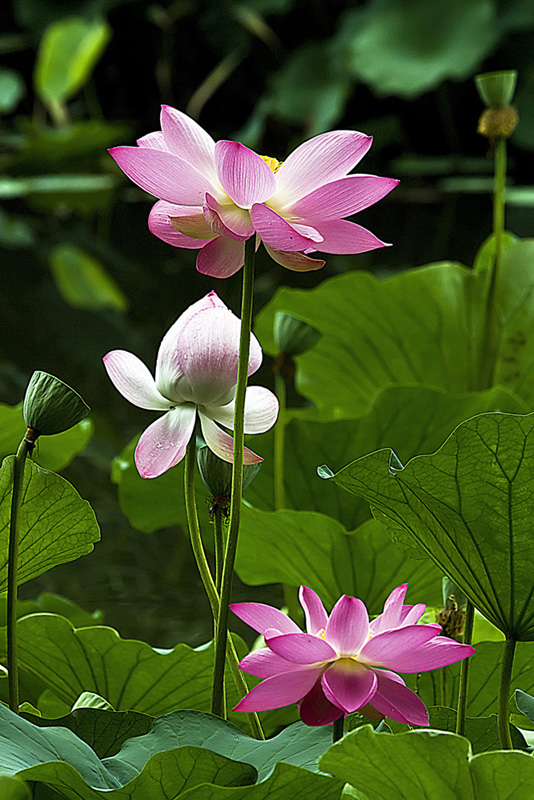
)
(272, 163)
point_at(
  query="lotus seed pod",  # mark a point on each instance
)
(50, 406)
(496, 89)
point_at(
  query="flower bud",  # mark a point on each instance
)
(217, 474)
(496, 89)
(50, 406)
(292, 336)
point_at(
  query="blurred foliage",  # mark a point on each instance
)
(82, 274)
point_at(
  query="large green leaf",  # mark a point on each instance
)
(319, 553)
(12, 788)
(183, 750)
(52, 452)
(67, 55)
(406, 47)
(410, 419)
(426, 764)
(56, 525)
(423, 327)
(469, 507)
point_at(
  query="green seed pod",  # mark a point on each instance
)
(292, 336)
(50, 406)
(217, 474)
(496, 89)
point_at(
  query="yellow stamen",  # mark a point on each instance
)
(272, 163)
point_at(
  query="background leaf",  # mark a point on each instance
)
(67, 55)
(319, 553)
(83, 281)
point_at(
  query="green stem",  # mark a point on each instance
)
(504, 694)
(197, 544)
(209, 585)
(338, 729)
(464, 671)
(443, 682)
(499, 191)
(218, 523)
(279, 442)
(237, 471)
(25, 448)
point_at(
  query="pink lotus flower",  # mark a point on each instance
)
(196, 371)
(215, 196)
(343, 663)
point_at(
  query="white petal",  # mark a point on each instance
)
(261, 411)
(163, 443)
(222, 444)
(133, 380)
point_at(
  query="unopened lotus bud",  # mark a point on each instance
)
(50, 406)
(217, 474)
(292, 336)
(496, 89)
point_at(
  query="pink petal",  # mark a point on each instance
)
(168, 365)
(161, 226)
(206, 347)
(221, 258)
(302, 648)
(279, 691)
(133, 380)
(342, 198)
(341, 236)
(392, 614)
(264, 664)
(163, 443)
(439, 652)
(155, 141)
(314, 611)
(261, 411)
(275, 231)
(400, 649)
(163, 174)
(243, 173)
(323, 159)
(194, 226)
(348, 626)
(184, 137)
(394, 700)
(262, 617)
(348, 684)
(297, 262)
(227, 220)
(316, 710)
(222, 444)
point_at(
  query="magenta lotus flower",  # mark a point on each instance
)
(344, 663)
(196, 372)
(215, 196)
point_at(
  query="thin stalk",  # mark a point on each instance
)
(464, 671)
(237, 471)
(504, 694)
(443, 683)
(25, 448)
(499, 191)
(279, 442)
(218, 538)
(209, 585)
(338, 729)
(194, 529)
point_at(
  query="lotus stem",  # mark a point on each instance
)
(464, 671)
(279, 442)
(219, 701)
(237, 473)
(218, 538)
(338, 729)
(504, 694)
(25, 448)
